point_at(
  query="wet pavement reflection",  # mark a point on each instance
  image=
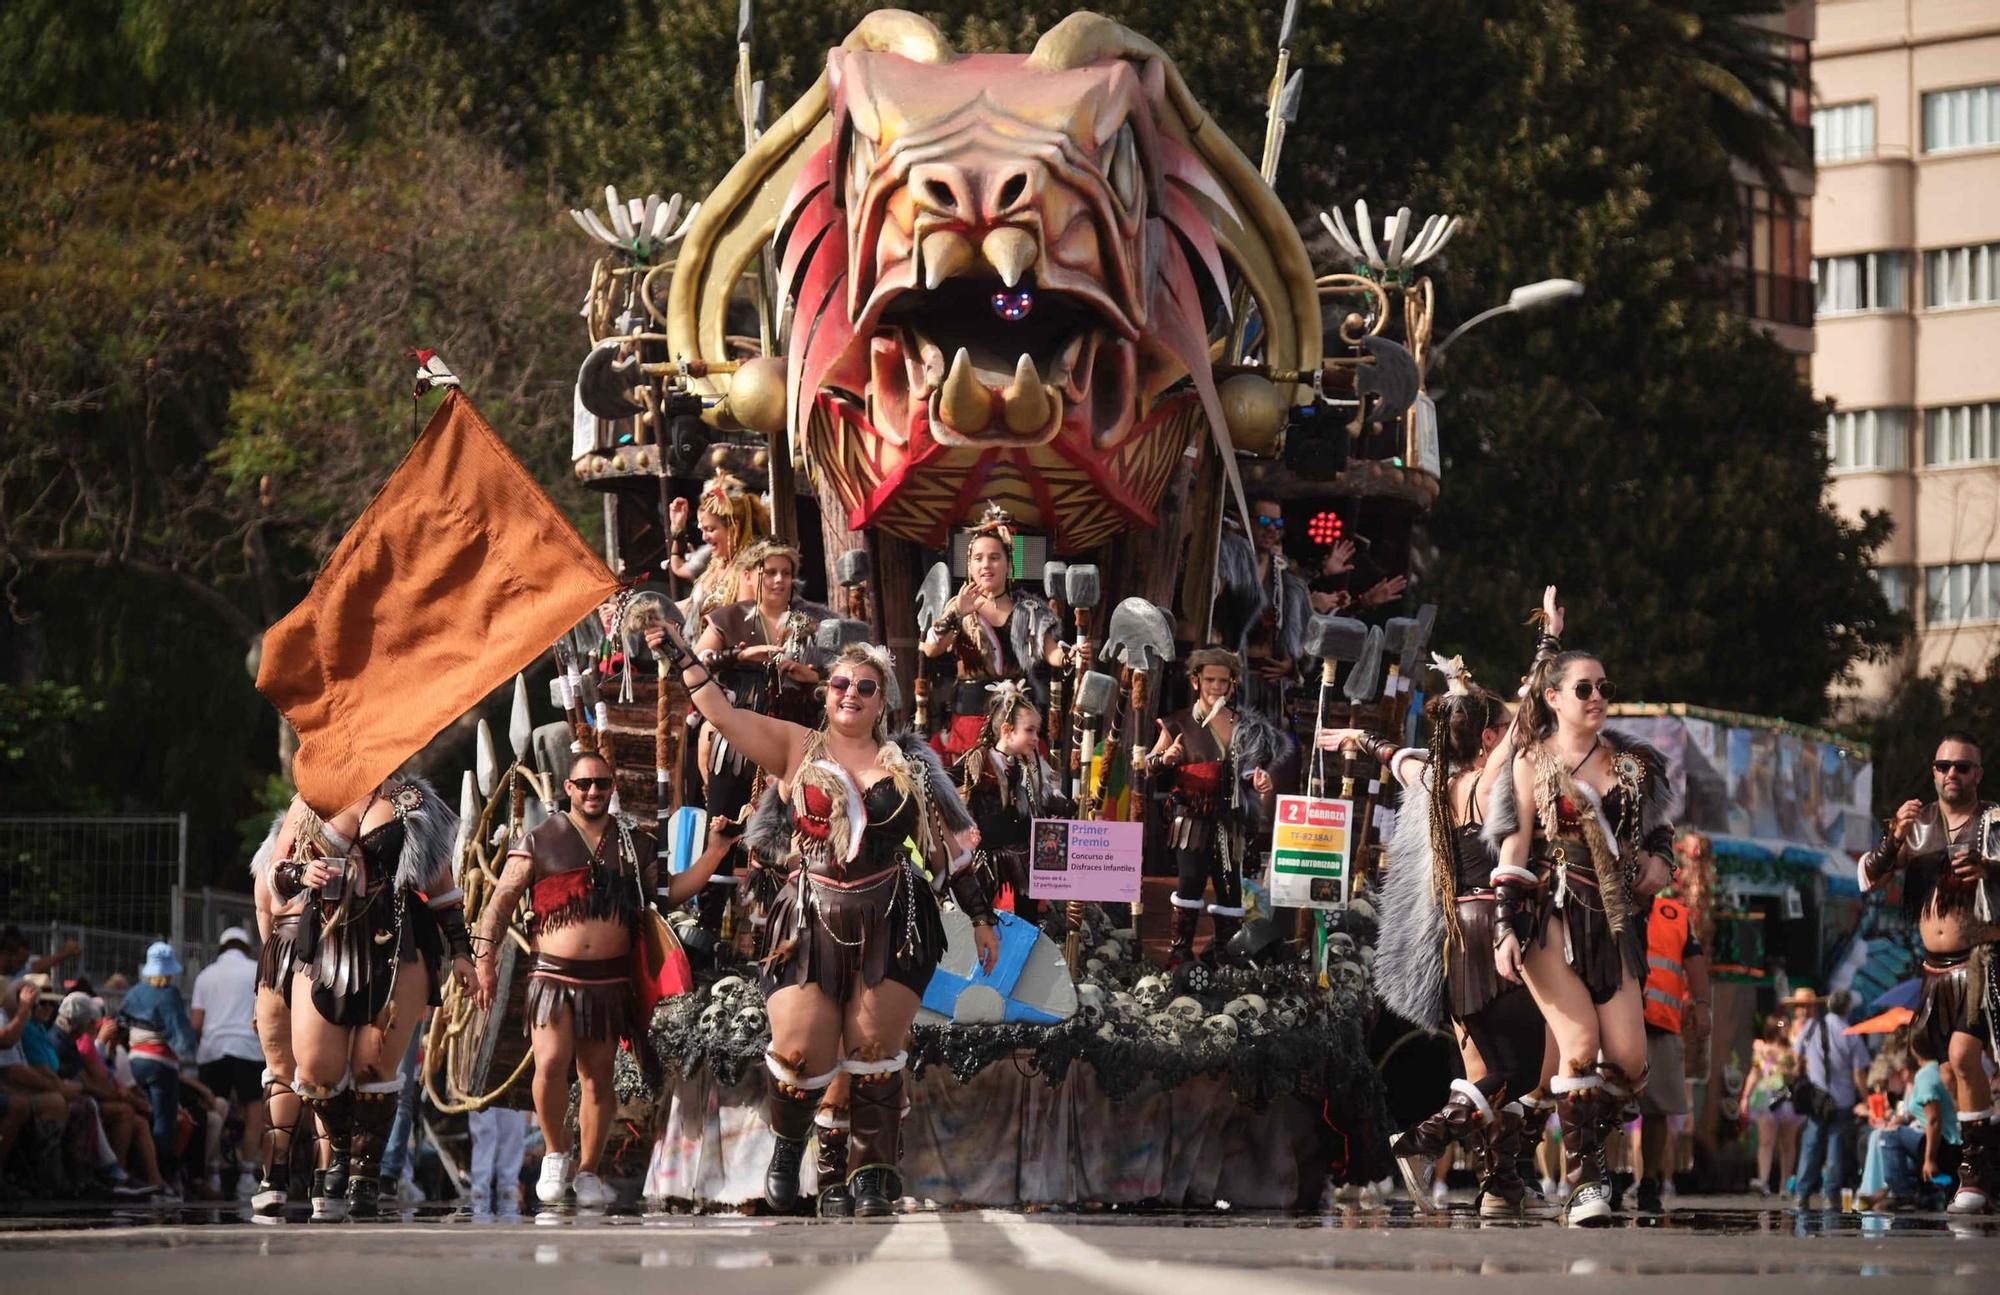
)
(1722, 1244)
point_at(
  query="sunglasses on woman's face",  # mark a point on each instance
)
(591, 784)
(1959, 767)
(1602, 687)
(840, 683)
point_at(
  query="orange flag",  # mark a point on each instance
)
(458, 574)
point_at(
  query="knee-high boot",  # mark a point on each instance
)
(794, 1098)
(1187, 920)
(1978, 1163)
(835, 1200)
(1228, 921)
(1618, 1102)
(1501, 1188)
(1418, 1148)
(1535, 1112)
(332, 1111)
(1578, 1107)
(875, 1142)
(374, 1115)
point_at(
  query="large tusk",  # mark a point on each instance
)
(1011, 251)
(1025, 402)
(945, 254)
(964, 401)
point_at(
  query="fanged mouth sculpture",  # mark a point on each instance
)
(982, 363)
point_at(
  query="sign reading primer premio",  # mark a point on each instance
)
(1085, 859)
(1311, 852)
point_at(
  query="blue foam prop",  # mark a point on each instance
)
(1017, 941)
(687, 836)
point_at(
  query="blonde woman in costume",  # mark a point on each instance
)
(855, 932)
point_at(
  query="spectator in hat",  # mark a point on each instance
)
(156, 1022)
(229, 1057)
(122, 1112)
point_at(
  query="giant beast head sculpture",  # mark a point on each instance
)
(1004, 275)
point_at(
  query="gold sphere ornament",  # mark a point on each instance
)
(757, 394)
(1254, 410)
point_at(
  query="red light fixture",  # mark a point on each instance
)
(1325, 529)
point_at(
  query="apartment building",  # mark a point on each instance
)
(1906, 292)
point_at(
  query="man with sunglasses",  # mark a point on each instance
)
(589, 878)
(1275, 637)
(1942, 849)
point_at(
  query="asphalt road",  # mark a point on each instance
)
(1715, 1245)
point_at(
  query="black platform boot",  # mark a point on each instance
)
(333, 1116)
(374, 1115)
(1186, 922)
(790, 1113)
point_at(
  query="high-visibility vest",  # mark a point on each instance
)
(1666, 978)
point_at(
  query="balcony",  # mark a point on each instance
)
(1771, 298)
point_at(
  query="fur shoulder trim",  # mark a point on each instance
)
(1030, 623)
(768, 835)
(260, 862)
(1409, 962)
(1257, 743)
(1658, 802)
(430, 828)
(1239, 601)
(1503, 811)
(1297, 612)
(938, 783)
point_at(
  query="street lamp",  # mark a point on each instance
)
(1527, 297)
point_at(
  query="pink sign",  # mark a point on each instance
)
(1078, 859)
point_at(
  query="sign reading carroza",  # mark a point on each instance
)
(1311, 852)
(1071, 858)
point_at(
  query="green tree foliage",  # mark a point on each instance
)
(230, 218)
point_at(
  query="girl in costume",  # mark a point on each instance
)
(729, 517)
(855, 932)
(993, 631)
(762, 651)
(1211, 753)
(1009, 784)
(1584, 838)
(382, 909)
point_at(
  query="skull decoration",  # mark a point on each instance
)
(1151, 993)
(730, 988)
(1111, 951)
(1185, 1010)
(1220, 1032)
(1248, 1012)
(1123, 1004)
(1339, 947)
(1368, 958)
(714, 1020)
(1094, 968)
(1291, 1010)
(1352, 979)
(748, 1027)
(1360, 907)
(1164, 1030)
(1091, 1003)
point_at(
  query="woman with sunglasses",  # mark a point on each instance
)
(761, 650)
(382, 909)
(1436, 896)
(855, 932)
(1584, 841)
(993, 631)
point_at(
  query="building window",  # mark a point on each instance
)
(1961, 434)
(1961, 592)
(1866, 281)
(1868, 440)
(1895, 583)
(1967, 118)
(1773, 269)
(1962, 276)
(1843, 132)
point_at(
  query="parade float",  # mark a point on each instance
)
(938, 283)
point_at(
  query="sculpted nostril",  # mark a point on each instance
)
(1010, 192)
(940, 193)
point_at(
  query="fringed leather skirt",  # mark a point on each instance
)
(1959, 996)
(279, 957)
(355, 963)
(1471, 982)
(1602, 960)
(597, 992)
(843, 934)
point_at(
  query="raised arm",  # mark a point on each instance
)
(775, 745)
(722, 835)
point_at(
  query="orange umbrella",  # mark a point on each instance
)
(1887, 1023)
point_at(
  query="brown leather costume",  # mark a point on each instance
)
(571, 883)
